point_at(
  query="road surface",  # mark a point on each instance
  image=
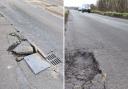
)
(39, 26)
(43, 29)
(107, 38)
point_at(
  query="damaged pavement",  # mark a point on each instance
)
(82, 70)
(17, 68)
(23, 49)
(106, 38)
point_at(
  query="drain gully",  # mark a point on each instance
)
(52, 56)
(53, 59)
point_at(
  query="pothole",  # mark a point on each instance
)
(81, 67)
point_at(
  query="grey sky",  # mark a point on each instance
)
(78, 2)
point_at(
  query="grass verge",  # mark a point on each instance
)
(113, 14)
(66, 13)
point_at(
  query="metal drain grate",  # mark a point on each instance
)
(56, 61)
(52, 56)
(53, 59)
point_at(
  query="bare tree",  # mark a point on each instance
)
(113, 5)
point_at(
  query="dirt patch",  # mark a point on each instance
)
(80, 69)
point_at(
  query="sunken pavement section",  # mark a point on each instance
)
(22, 65)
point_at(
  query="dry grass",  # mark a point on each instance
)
(113, 14)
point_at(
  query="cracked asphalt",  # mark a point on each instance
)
(107, 38)
(42, 29)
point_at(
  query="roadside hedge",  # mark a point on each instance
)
(113, 14)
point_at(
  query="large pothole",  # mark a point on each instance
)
(80, 69)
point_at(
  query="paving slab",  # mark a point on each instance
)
(47, 79)
(36, 63)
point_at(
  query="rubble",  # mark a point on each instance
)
(18, 59)
(24, 48)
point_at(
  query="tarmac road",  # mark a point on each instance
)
(107, 38)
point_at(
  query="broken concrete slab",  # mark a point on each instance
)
(18, 59)
(13, 39)
(12, 46)
(24, 48)
(36, 63)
